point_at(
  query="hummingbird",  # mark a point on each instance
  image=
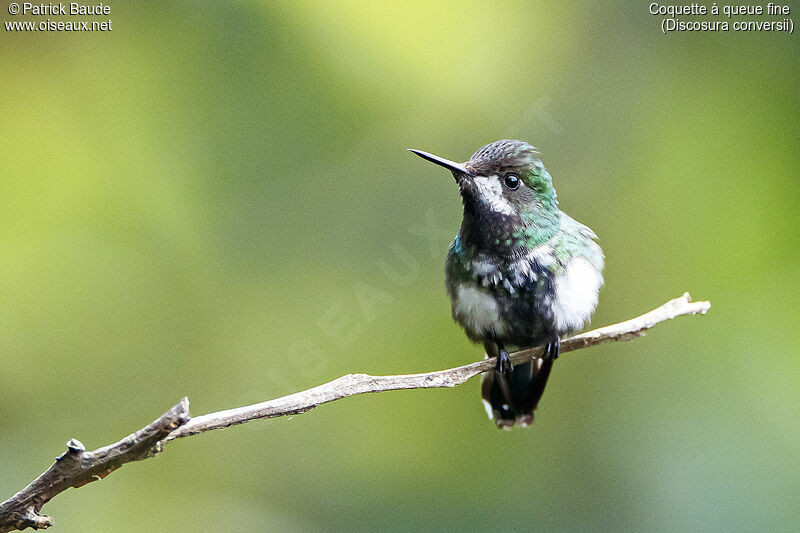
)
(520, 273)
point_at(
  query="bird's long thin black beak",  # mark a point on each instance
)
(441, 161)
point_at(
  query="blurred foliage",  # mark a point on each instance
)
(195, 203)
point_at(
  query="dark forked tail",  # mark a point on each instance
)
(511, 398)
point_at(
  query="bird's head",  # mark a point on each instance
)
(508, 195)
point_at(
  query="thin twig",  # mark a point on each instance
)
(77, 467)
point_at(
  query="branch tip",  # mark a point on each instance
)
(75, 446)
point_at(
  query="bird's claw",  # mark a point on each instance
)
(552, 349)
(504, 365)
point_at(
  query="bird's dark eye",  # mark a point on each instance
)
(512, 181)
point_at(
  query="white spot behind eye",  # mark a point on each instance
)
(490, 191)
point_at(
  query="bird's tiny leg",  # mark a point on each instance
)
(504, 365)
(553, 348)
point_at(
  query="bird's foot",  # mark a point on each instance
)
(552, 349)
(504, 365)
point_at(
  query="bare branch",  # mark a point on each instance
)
(76, 467)
(353, 384)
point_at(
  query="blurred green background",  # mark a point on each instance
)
(196, 203)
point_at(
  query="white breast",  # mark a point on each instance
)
(477, 311)
(575, 294)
